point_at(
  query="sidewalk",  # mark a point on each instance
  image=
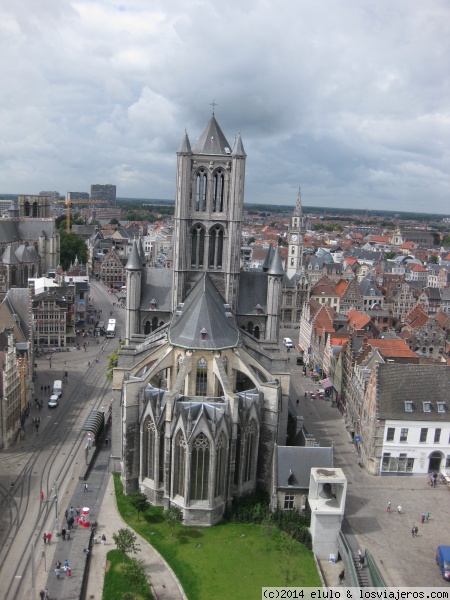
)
(100, 498)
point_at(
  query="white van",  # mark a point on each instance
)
(288, 342)
(57, 388)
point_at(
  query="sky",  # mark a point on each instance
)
(348, 100)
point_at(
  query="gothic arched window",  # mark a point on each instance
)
(161, 457)
(250, 437)
(154, 323)
(256, 332)
(197, 246)
(35, 209)
(201, 378)
(201, 190)
(147, 328)
(218, 191)
(220, 467)
(180, 464)
(216, 247)
(148, 449)
(237, 458)
(200, 468)
(26, 207)
(250, 327)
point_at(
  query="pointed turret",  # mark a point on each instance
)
(134, 260)
(268, 260)
(298, 212)
(276, 266)
(238, 149)
(185, 146)
(142, 253)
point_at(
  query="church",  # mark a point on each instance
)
(200, 392)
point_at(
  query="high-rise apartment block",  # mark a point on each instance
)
(104, 192)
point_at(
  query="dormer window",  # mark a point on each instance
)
(153, 304)
(203, 333)
(427, 407)
(291, 478)
(258, 309)
(441, 407)
(408, 406)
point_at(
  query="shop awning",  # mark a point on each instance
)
(298, 348)
(326, 383)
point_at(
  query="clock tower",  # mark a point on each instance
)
(296, 240)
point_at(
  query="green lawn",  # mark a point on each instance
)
(115, 586)
(220, 562)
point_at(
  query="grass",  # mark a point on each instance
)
(115, 585)
(220, 562)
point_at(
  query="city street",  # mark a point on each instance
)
(50, 460)
(401, 559)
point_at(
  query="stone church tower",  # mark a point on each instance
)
(296, 239)
(208, 213)
(197, 398)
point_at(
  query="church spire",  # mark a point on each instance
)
(298, 207)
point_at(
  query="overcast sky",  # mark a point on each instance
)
(348, 99)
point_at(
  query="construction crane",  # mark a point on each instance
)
(68, 202)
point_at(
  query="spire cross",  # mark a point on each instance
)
(213, 104)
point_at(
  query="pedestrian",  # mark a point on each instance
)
(416, 531)
(422, 519)
(103, 539)
(361, 561)
(49, 538)
(399, 509)
(71, 511)
(68, 536)
(66, 514)
(388, 509)
(58, 573)
(86, 489)
(341, 576)
(413, 532)
(306, 394)
(58, 564)
(42, 388)
(42, 594)
(427, 516)
(66, 563)
(63, 533)
(47, 597)
(41, 496)
(78, 511)
(45, 538)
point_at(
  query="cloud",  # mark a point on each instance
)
(350, 100)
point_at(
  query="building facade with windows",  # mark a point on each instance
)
(196, 395)
(49, 311)
(405, 419)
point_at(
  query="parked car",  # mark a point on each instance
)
(443, 561)
(53, 401)
(288, 343)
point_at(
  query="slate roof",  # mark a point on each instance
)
(212, 140)
(9, 257)
(367, 287)
(203, 309)
(185, 146)
(298, 462)
(238, 149)
(252, 291)
(8, 231)
(276, 268)
(157, 285)
(32, 229)
(18, 301)
(416, 383)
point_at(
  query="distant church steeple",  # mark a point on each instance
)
(296, 239)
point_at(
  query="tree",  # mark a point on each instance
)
(113, 360)
(139, 501)
(433, 259)
(268, 530)
(390, 255)
(114, 222)
(446, 241)
(134, 574)
(72, 246)
(288, 552)
(125, 541)
(172, 516)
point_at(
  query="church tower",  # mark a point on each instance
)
(37, 207)
(133, 271)
(208, 213)
(296, 239)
